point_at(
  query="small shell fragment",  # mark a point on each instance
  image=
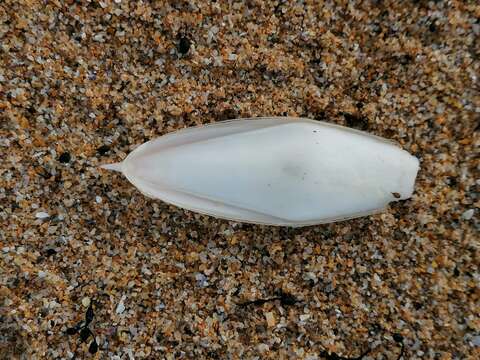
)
(277, 171)
(467, 215)
(42, 215)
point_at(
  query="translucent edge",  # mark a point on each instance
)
(115, 167)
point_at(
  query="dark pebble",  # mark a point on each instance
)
(51, 252)
(84, 334)
(183, 45)
(65, 158)
(93, 348)
(102, 150)
(398, 338)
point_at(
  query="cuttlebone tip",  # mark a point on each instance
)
(114, 166)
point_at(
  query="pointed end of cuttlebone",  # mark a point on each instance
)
(114, 167)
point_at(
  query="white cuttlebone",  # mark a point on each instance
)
(276, 171)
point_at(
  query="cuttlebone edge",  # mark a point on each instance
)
(272, 121)
(183, 133)
(275, 220)
(258, 123)
(145, 184)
